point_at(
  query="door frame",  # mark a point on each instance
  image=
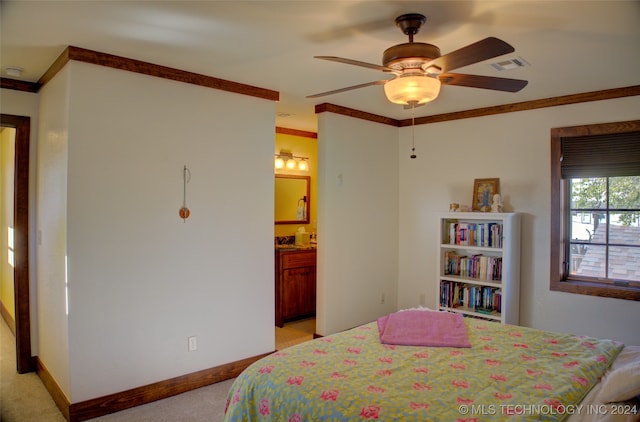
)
(22, 125)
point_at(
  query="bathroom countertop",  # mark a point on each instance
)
(288, 248)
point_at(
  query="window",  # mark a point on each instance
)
(11, 255)
(595, 209)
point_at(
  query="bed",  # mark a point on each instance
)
(391, 370)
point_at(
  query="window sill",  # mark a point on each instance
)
(596, 289)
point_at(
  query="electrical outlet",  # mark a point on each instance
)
(423, 299)
(193, 343)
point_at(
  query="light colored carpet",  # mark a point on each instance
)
(23, 397)
(203, 404)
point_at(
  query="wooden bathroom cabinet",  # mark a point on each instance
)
(295, 284)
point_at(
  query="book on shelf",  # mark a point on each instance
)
(486, 234)
(478, 266)
(476, 298)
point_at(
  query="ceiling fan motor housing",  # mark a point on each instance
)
(410, 23)
(411, 55)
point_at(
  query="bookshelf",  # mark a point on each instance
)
(479, 265)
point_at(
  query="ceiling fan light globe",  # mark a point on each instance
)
(417, 89)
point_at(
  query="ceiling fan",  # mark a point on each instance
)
(420, 69)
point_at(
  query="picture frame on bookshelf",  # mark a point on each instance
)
(483, 191)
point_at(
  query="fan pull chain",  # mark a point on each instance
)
(413, 130)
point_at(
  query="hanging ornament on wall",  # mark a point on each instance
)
(186, 178)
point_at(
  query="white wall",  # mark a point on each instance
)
(51, 228)
(357, 221)
(516, 148)
(141, 281)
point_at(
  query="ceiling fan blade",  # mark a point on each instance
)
(355, 63)
(485, 82)
(473, 53)
(349, 88)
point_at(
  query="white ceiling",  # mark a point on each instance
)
(571, 46)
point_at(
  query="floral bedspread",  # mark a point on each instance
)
(510, 373)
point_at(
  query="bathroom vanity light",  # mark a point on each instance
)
(286, 160)
(303, 164)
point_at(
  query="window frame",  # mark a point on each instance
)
(560, 216)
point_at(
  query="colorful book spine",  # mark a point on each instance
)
(487, 235)
(485, 299)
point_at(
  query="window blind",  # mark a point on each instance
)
(610, 155)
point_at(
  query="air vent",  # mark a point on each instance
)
(510, 64)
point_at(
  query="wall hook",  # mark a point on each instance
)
(186, 178)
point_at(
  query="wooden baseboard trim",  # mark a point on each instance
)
(58, 396)
(6, 316)
(160, 390)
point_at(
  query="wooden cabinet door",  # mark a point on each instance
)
(309, 292)
(299, 293)
(293, 281)
(295, 287)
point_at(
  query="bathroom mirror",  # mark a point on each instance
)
(292, 199)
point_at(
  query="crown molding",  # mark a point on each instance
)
(605, 94)
(151, 69)
(358, 114)
(16, 85)
(296, 132)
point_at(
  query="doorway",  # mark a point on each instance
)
(295, 332)
(22, 126)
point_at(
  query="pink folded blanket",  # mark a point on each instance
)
(423, 328)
